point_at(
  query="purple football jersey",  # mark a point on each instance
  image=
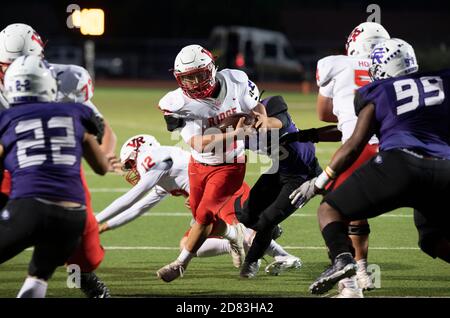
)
(43, 149)
(412, 112)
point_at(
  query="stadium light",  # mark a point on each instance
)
(89, 21)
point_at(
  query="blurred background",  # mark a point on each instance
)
(272, 40)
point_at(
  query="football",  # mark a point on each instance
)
(232, 121)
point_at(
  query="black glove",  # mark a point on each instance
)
(307, 135)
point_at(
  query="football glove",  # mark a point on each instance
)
(303, 193)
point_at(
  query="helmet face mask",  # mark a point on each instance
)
(130, 167)
(195, 72)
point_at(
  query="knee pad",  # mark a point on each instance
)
(359, 229)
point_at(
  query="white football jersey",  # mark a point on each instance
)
(338, 77)
(175, 180)
(74, 85)
(163, 171)
(238, 94)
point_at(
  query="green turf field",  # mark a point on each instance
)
(136, 251)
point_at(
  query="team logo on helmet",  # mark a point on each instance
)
(377, 55)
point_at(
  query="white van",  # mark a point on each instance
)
(264, 55)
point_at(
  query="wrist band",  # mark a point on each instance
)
(330, 172)
(322, 180)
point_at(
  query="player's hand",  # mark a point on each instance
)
(261, 120)
(114, 164)
(304, 193)
(187, 203)
(243, 129)
(103, 227)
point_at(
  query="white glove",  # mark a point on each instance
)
(303, 193)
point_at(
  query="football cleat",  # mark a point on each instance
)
(171, 271)
(349, 290)
(283, 263)
(237, 246)
(249, 270)
(93, 287)
(343, 266)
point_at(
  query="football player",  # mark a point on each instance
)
(410, 113)
(74, 85)
(217, 165)
(268, 203)
(42, 143)
(157, 172)
(338, 77)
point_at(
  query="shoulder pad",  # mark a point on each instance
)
(235, 75)
(328, 67)
(274, 105)
(172, 102)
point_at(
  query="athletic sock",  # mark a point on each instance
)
(33, 288)
(336, 238)
(185, 256)
(362, 265)
(275, 249)
(230, 233)
(214, 247)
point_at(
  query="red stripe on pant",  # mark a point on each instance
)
(89, 253)
(6, 183)
(368, 153)
(211, 187)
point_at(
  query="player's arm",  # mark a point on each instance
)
(322, 134)
(347, 154)
(109, 140)
(191, 133)
(325, 109)
(156, 195)
(94, 156)
(145, 184)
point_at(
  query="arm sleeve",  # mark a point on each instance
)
(145, 204)
(147, 182)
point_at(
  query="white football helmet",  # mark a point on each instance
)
(30, 79)
(129, 154)
(364, 37)
(195, 71)
(19, 39)
(392, 58)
